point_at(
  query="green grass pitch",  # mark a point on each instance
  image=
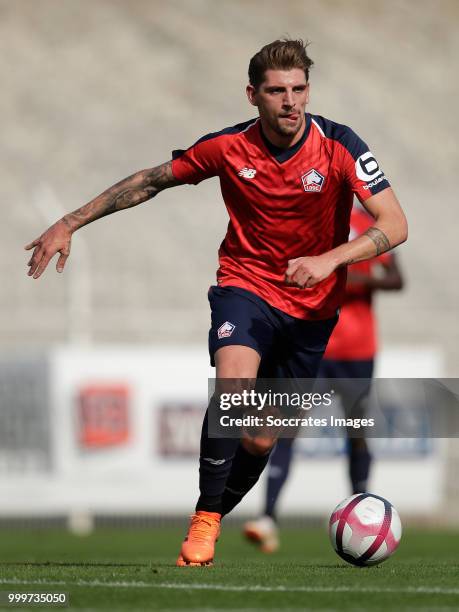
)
(130, 569)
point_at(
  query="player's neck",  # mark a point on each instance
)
(282, 142)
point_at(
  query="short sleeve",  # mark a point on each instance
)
(360, 167)
(201, 161)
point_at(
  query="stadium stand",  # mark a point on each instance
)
(93, 91)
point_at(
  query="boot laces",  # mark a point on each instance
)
(202, 527)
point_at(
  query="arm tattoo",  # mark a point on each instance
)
(129, 192)
(379, 238)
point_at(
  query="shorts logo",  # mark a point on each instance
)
(248, 173)
(313, 180)
(225, 330)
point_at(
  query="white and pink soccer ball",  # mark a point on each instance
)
(365, 529)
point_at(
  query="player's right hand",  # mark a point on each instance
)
(56, 239)
(305, 272)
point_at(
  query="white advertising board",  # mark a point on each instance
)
(125, 427)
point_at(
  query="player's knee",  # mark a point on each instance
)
(258, 446)
(237, 362)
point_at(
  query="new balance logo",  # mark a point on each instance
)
(214, 461)
(225, 330)
(248, 173)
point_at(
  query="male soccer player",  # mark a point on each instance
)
(288, 180)
(349, 359)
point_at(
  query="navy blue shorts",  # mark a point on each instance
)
(352, 382)
(343, 368)
(289, 347)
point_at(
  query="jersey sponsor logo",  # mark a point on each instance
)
(375, 182)
(313, 180)
(225, 330)
(248, 173)
(366, 167)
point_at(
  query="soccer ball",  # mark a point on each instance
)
(365, 529)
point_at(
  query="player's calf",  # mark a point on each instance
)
(259, 445)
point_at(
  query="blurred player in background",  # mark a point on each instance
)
(288, 179)
(350, 354)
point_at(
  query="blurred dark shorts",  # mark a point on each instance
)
(289, 347)
(351, 382)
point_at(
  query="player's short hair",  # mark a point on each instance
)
(284, 54)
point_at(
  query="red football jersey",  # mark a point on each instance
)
(355, 336)
(284, 204)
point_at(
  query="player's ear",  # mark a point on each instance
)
(307, 93)
(251, 94)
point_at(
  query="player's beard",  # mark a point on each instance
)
(283, 129)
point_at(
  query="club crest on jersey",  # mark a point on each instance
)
(248, 173)
(313, 180)
(225, 330)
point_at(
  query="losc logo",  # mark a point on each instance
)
(366, 167)
(313, 180)
(225, 330)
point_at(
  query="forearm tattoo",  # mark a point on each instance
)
(379, 238)
(129, 192)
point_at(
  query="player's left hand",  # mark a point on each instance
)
(305, 272)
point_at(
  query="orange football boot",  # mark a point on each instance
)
(199, 544)
(264, 533)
